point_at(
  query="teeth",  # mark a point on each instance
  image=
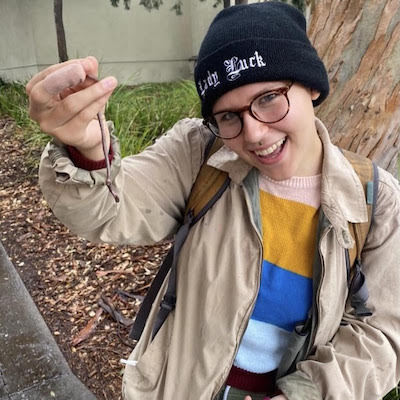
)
(270, 149)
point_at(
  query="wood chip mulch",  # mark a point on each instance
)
(80, 288)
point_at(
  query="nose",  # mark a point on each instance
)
(253, 130)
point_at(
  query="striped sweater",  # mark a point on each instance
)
(289, 211)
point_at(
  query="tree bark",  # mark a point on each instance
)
(61, 43)
(359, 42)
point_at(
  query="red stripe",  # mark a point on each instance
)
(81, 161)
(259, 383)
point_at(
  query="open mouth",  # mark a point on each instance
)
(273, 150)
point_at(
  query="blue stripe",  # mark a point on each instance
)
(284, 297)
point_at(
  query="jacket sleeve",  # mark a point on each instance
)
(361, 361)
(153, 187)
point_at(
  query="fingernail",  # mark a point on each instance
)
(109, 83)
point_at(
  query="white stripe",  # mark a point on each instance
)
(262, 347)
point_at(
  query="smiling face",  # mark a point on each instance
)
(280, 150)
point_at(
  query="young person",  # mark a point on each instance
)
(271, 249)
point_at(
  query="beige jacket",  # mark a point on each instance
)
(220, 265)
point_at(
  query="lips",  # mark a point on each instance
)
(273, 150)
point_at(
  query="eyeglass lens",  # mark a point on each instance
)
(269, 107)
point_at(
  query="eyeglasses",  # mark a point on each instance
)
(269, 107)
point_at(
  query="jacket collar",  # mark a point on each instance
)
(228, 161)
(342, 194)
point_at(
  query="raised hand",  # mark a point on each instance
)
(65, 99)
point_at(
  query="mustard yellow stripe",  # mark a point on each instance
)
(289, 233)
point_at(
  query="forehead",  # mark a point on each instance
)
(242, 95)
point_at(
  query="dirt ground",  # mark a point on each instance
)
(79, 287)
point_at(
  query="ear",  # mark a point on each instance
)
(315, 94)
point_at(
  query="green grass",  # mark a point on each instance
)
(14, 103)
(140, 113)
(393, 395)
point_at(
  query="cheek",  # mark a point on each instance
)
(301, 117)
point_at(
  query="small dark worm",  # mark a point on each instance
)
(105, 152)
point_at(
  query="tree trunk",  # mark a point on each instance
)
(359, 42)
(61, 43)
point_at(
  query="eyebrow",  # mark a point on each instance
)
(261, 91)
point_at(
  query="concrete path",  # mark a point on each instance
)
(32, 366)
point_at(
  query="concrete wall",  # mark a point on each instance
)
(136, 45)
(17, 47)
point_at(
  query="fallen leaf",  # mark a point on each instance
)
(88, 329)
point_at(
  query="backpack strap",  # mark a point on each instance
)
(367, 172)
(209, 186)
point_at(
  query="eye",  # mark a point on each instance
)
(267, 98)
(226, 117)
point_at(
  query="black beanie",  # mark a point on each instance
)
(255, 43)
